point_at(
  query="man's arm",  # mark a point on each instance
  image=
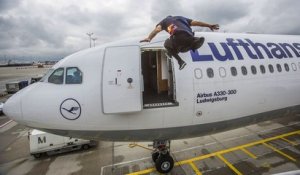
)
(202, 24)
(152, 34)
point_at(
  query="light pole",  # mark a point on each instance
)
(90, 35)
(94, 39)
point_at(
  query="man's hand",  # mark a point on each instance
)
(152, 34)
(145, 40)
(214, 27)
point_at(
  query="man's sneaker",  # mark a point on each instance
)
(182, 65)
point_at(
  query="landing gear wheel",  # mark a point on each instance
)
(155, 156)
(164, 163)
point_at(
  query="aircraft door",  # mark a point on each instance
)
(121, 86)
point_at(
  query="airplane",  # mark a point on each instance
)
(131, 91)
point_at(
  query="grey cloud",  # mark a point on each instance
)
(222, 11)
(281, 17)
(6, 33)
(36, 28)
(76, 16)
(161, 9)
(111, 25)
(8, 4)
(106, 24)
(28, 32)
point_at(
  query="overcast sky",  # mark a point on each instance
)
(56, 28)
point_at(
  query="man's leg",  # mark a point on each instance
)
(197, 43)
(173, 52)
(193, 44)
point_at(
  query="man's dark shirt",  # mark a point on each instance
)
(174, 24)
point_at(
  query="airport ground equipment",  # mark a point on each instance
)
(1, 108)
(14, 87)
(41, 142)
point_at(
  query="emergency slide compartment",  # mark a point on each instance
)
(121, 81)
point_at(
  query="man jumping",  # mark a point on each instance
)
(181, 35)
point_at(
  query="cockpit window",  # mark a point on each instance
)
(57, 77)
(73, 76)
(50, 71)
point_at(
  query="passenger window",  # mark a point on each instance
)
(271, 68)
(198, 73)
(210, 72)
(73, 76)
(253, 70)
(244, 70)
(279, 67)
(294, 67)
(222, 72)
(262, 69)
(233, 71)
(57, 77)
(286, 67)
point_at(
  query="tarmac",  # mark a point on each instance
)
(201, 155)
(265, 148)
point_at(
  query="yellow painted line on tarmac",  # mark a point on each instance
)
(195, 168)
(289, 141)
(239, 147)
(229, 164)
(150, 170)
(249, 153)
(221, 152)
(280, 152)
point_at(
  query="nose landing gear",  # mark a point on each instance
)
(161, 157)
(164, 163)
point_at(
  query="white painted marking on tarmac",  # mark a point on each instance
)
(8, 126)
(289, 173)
(121, 163)
(65, 165)
(5, 123)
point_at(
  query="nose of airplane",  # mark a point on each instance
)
(12, 108)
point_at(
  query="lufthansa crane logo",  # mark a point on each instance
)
(70, 109)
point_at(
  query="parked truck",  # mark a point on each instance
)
(41, 142)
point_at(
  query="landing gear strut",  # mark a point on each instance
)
(164, 163)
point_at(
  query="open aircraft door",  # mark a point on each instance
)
(121, 81)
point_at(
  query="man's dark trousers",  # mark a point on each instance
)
(179, 42)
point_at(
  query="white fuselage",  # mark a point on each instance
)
(111, 108)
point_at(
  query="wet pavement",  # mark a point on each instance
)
(114, 158)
